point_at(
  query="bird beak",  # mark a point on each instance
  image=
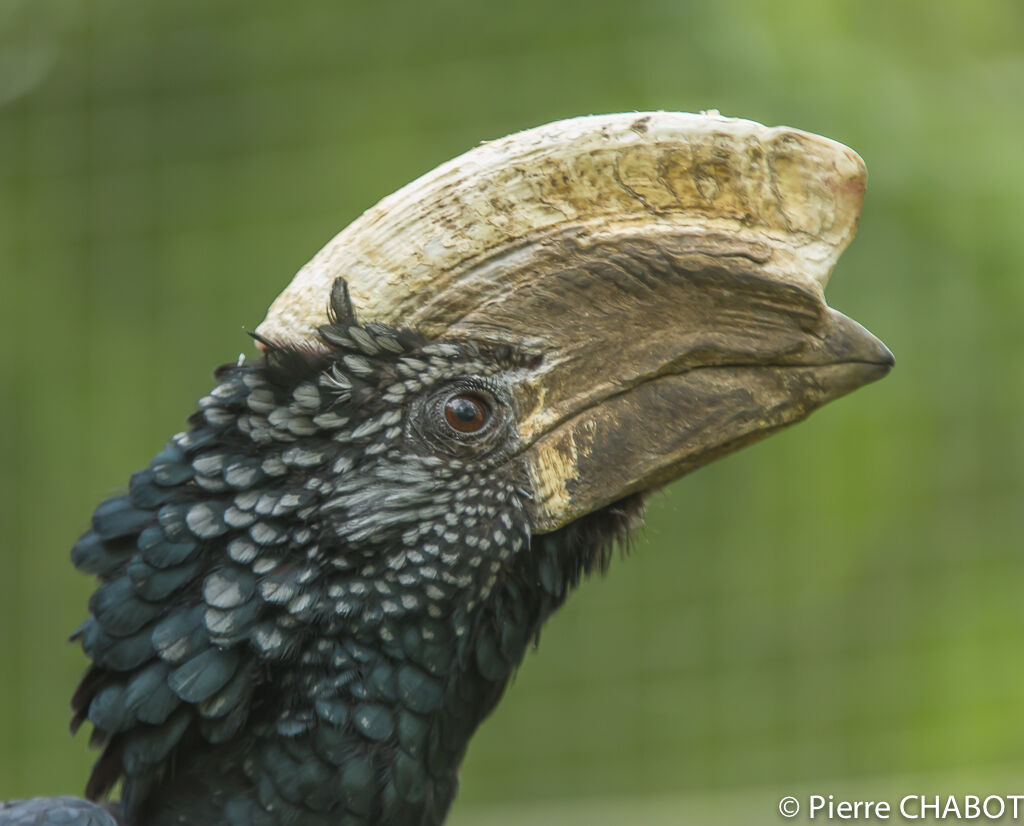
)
(666, 269)
(763, 355)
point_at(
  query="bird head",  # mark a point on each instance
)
(461, 403)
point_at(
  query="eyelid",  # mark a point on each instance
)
(428, 418)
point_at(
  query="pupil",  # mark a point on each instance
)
(465, 410)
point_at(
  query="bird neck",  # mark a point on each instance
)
(365, 728)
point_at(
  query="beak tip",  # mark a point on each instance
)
(889, 360)
(850, 342)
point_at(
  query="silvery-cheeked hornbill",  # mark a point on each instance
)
(310, 600)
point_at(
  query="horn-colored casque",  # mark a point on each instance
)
(690, 184)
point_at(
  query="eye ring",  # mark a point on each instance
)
(466, 413)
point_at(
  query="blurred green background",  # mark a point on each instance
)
(838, 608)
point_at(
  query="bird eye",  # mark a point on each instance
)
(466, 413)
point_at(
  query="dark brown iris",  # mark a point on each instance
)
(466, 413)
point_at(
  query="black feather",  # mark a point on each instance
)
(311, 599)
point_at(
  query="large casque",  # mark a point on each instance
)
(787, 199)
